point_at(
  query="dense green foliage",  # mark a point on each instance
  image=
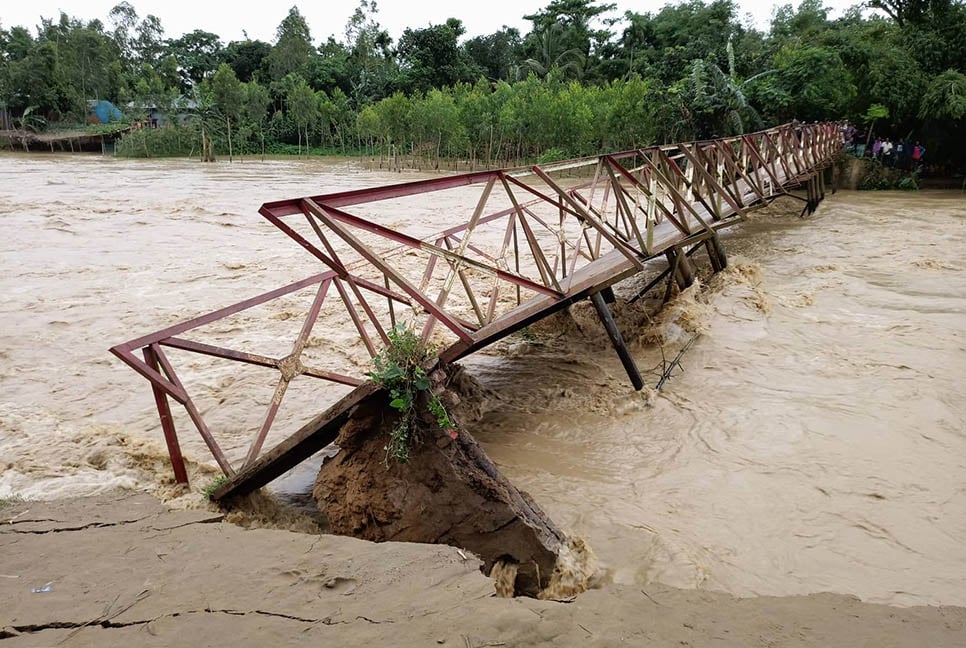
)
(584, 78)
(399, 369)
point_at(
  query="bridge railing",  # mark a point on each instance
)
(461, 256)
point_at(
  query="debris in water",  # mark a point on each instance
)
(504, 574)
(574, 573)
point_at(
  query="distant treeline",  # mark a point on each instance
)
(583, 79)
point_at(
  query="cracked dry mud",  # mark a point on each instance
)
(123, 571)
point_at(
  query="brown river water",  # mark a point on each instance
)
(814, 440)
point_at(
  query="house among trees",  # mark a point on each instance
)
(156, 115)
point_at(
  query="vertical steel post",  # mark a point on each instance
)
(684, 273)
(719, 251)
(167, 422)
(607, 319)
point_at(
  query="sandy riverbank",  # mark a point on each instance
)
(120, 570)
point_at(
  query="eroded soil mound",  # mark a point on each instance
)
(449, 492)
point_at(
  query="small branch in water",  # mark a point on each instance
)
(669, 368)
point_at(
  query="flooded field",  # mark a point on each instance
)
(815, 441)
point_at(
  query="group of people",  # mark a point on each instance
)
(902, 154)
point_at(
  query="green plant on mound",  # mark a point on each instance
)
(880, 177)
(908, 183)
(209, 490)
(399, 370)
(877, 177)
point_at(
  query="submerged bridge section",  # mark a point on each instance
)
(530, 242)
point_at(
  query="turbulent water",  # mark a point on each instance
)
(814, 438)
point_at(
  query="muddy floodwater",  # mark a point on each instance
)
(814, 439)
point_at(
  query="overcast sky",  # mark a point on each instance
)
(328, 17)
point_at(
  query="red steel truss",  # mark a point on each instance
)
(532, 242)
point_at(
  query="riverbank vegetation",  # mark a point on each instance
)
(586, 77)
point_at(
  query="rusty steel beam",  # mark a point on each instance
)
(216, 452)
(362, 196)
(394, 276)
(167, 422)
(333, 216)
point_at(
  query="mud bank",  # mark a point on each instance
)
(447, 492)
(120, 570)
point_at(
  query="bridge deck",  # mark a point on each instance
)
(563, 245)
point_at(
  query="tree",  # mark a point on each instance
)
(945, 97)
(666, 43)
(936, 36)
(331, 68)
(690, 69)
(138, 41)
(302, 106)
(149, 44)
(495, 54)
(627, 117)
(713, 103)
(255, 109)
(293, 47)
(574, 18)
(151, 91)
(5, 90)
(431, 57)
(554, 61)
(203, 107)
(436, 125)
(893, 79)
(343, 117)
(228, 96)
(198, 54)
(901, 10)
(125, 20)
(368, 127)
(371, 63)
(809, 84)
(943, 111)
(87, 56)
(395, 119)
(248, 58)
(31, 75)
(871, 116)
(68, 64)
(803, 25)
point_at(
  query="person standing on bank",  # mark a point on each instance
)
(918, 152)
